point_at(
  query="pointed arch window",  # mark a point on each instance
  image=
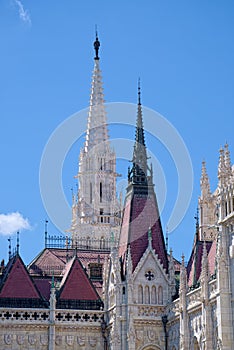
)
(147, 295)
(140, 295)
(160, 295)
(100, 191)
(88, 242)
(102, 243)
(91, 192)
(153, 295)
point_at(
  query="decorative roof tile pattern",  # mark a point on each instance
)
(140, 214)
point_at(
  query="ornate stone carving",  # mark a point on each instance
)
(81, 341)
(32, 339)
(20, 339)
(70, 340)
(92, 341)
(58, 340)
(8, 338)
(44, 339)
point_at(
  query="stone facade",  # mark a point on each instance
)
(136, 299)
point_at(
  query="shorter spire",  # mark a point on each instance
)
(221, 168)
(138, 173)
(96, 45)
(227, 160)
(204, 182)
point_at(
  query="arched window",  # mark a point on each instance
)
(88, 242)
(195, 344)
(147, 295)
(153, 295)
(102, 243)
(160, 295)
(140, 295)
(91, 192)
(100, 190)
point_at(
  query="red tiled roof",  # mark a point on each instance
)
(52, 261)
(17, 283)
(140, 213)
(195, 262)
(43, 285)
(75, 284)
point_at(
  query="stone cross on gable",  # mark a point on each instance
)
(149, 275)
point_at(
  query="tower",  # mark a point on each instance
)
(207, 208)
(137, 282)
(95, 212)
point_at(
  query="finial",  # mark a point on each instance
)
(167, 238)
(182, 259)
(46, 225)
(96, 44)
(139, 91)
(9, 251)
(17, 245)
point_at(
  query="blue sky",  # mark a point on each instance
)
(184, 53)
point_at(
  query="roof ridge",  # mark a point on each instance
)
(81, 278)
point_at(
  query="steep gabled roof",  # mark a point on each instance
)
(76, 284)
(17, 282)
(195, 262)
(140, 214)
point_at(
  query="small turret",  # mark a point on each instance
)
(221, 167)
(227, 161)
(204, 182)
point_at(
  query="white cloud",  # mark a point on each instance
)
(13, 222)
(23, 13)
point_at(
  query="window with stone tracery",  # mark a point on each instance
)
(160, 295)
(140, 295)
(153, 295)
(147, 295)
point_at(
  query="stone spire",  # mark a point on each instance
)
(139, 168)
(204, 182)
(227, 160)
(96, 133)
(141, 208)
(95, 214)
(221, 167)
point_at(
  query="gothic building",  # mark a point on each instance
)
(112, 284)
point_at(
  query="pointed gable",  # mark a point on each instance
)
(17, 283)
(75, 284)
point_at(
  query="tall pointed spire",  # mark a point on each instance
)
(97, 125)
(141, 208)
(138, 173)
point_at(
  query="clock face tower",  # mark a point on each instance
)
(96, 212)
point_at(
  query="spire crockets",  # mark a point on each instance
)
(97, 129)
(96, 212)
(138, 173)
